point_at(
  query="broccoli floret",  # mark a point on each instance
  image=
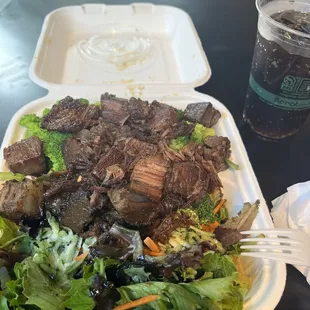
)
(46, 111)
(204, 210)
(201, 132)
(84, 101)
(177, 144)
(97, 103)
(52, 140)
(180, 114)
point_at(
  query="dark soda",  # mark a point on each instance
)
(278, 97)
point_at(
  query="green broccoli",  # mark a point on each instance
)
(46, 111)
(180, 114)
(178, 143)
(84, 101)
(52, 140)
(201, 132)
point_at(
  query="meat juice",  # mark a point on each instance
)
(278, 97)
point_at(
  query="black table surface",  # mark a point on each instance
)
(227, 29)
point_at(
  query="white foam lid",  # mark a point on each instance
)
(95, 44)
(71, 59)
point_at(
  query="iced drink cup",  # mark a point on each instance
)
(278, 97)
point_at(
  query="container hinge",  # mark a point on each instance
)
(143, 8)
(97, 9)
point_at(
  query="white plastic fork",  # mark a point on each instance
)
(285, 245)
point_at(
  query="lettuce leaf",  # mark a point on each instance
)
(40, 289)
(7, 176)
(12, 240)
(79, 301)
(3, 302)
(220, 265)
(171, 296)
(137, 274)
(220, 293)
(55, 251)
(8, 232)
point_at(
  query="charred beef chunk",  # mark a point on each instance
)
(80, 156)
(100, 135)
(188, 179)
(59, 186)
(214, 180)
(182, 128)
(21, 200)
(70, 115)
(78, 213)
(161, 116)
(144, 132)
(217, 149)
(72, 209)
(26, 157)
(148, 177)
(138, 148)
(203, 113)
(114, 110)
(171, 203)
(138, 110)
(133, 208)
(114, 159)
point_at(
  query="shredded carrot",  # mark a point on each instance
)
(219, 206)
(137, 303)
(210, 227)
(151, 244)
(81, 257)
(151, 253)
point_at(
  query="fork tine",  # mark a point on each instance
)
(289, 259)
(271, 247)
(274, 240)
(279, 232)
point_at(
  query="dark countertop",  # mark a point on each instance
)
(227, 30)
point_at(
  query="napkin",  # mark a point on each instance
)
(292, 210)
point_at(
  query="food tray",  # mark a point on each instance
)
(156, 55)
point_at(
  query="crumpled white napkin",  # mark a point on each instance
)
(292, 210)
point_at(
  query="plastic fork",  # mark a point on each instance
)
(285, 245)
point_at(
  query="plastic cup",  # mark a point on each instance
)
(278, 97)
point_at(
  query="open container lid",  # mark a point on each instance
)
(95, 44)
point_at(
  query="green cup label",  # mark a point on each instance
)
(294, 93)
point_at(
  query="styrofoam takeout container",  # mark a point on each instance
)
(152, 52)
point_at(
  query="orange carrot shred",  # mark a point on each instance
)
(151, 253)
(210, 227)
(219, 206)
(151, 244)
(81, 257)
(137, 303)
